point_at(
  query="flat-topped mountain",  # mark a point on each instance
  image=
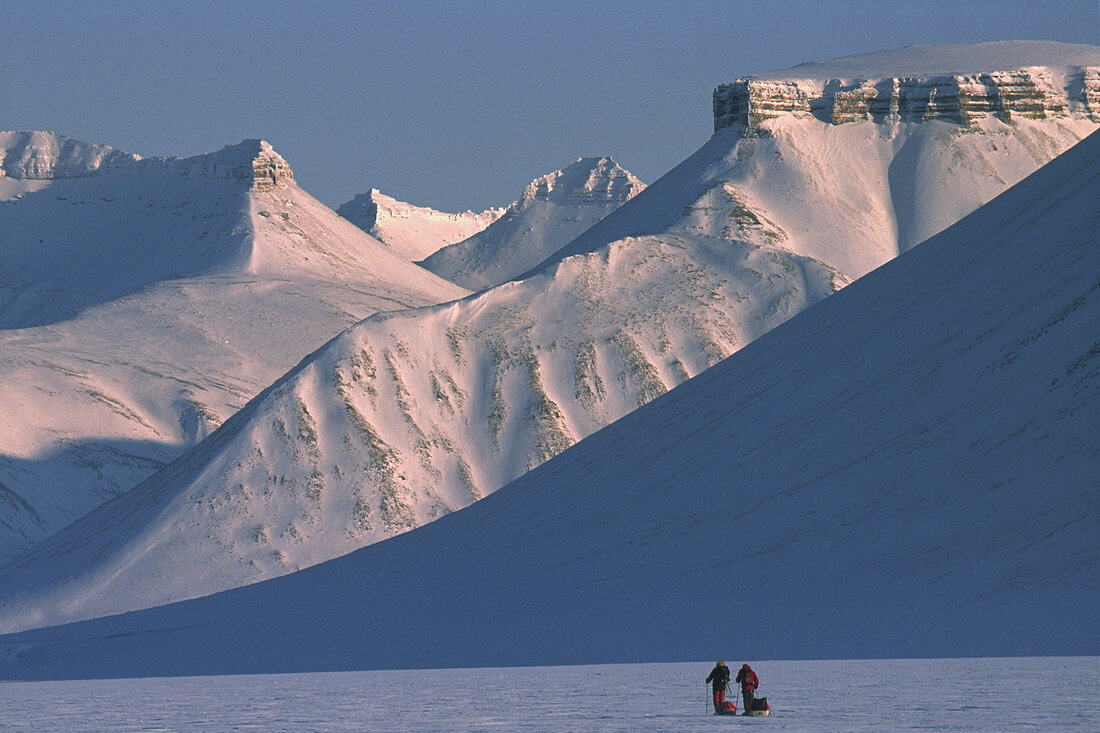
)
(409, 416)
(856, 479)
(962, 84)
(791, 172)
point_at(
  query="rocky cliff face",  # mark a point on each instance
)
(253, 162)
(1032, 93)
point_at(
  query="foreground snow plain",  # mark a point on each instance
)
(1049, 693)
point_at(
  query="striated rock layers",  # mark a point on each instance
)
(1032, 92)
(252, 161)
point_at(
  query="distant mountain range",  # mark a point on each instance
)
(410, 415)
(852, 484)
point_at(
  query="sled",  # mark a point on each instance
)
(759, 707)
(730, 709)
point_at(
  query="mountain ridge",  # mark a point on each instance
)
(413, 415)
(893, 502)
(552, 210)
(410, 415)
(414, 232)
(232, 273)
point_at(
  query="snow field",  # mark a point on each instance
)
(408, 416)
(977, 695)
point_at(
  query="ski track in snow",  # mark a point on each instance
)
(1045, 693)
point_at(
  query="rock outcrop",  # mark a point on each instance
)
(252, 161)
(1033, 93)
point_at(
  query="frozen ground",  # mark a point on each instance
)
(1050, 693)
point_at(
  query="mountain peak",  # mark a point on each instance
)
(552, 211)
(251, 160)
(586, 180)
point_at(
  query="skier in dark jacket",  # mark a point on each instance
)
(719, 677)
(749, 682)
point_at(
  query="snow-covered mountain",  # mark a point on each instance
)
(409, 416)
(413, 232)
(37, 155)
(413, 414)
(553, 210)
(850, 165)
(855, 483)
(142, 302)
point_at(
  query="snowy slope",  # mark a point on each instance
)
(855, 189)
(855, 480)
(410, 415)
(553, 210)
(414, 416)
(142, 302)
(413, 232)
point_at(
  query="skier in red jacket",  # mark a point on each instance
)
(749, 682)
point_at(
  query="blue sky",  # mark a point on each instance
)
(450, 104)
